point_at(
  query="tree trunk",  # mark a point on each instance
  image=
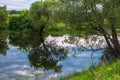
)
(113, 45)
(115, 41)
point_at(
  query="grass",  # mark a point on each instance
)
(104, 72)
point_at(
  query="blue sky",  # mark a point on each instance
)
(16, 4)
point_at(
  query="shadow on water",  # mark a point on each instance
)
(47, 55)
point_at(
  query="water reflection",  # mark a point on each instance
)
(3, 45)
(47, 56)
(25, 42)
(41, 54)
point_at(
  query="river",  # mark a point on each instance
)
(25, 57)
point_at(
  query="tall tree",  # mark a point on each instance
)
(101, 16)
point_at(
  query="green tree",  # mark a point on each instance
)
(101, 16)
(3, 16)
(40, 12)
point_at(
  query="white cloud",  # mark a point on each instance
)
(17, 4)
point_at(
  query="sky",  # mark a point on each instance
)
(16, 4)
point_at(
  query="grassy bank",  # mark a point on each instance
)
(104, 72)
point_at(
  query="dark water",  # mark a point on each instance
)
(30, 57)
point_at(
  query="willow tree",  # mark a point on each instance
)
(40, 12)
(101, 16)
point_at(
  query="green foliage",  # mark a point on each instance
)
(21, 22)
(78, 17)
(3, 16)
(104, 72)
(57, 29)
(87, 15)
(73, 14)
(40, 13)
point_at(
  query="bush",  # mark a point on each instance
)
(21, 22)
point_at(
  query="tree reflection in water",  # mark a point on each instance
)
(45, 55)
(3, 45)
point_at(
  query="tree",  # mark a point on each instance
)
(40, 14)
(3, 16)
(101, 16)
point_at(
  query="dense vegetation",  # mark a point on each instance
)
(22, 19)
(35, 20)
(3, 17)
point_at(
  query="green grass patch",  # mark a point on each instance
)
(103, 72)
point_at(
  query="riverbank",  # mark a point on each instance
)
(104, 72)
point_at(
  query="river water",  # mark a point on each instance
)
(26, 57)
